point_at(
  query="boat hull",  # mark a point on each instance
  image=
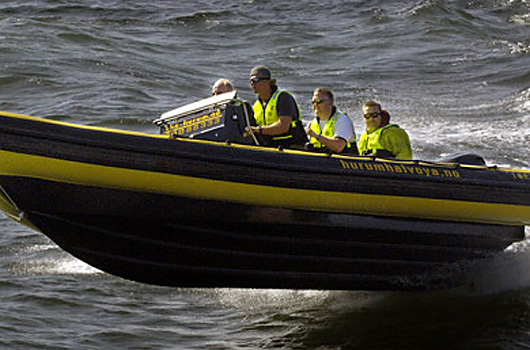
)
(212, 244)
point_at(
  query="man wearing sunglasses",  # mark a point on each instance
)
(276, 112)
(382, 139)
(331, 129)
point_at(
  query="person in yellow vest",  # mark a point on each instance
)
(382, 139)
(276, 112)
(331, 129)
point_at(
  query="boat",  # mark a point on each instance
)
(201, 205)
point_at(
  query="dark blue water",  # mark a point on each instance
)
(455, 74)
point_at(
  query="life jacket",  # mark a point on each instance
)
(269, 116)
(328, 131)
(370, 143)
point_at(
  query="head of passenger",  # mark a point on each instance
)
(372, 113)
(260, 79)
(322, 102)
(222, 86)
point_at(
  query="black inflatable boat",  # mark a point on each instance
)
(199, 205)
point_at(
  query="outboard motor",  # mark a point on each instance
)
(463, 158)
(219, 118)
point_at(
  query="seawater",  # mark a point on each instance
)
(454, 74)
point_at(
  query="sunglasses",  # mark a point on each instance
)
(317, 101)
(372, 115)
(256, 80)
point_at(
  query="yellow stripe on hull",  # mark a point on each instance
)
(16, 164)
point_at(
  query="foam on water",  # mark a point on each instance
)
(47, 259)
(259, 299)
(57, 267)
(463, 128)
(503, 272)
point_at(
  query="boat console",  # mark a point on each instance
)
(219, 118)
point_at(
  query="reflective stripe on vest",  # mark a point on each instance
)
(328, 129)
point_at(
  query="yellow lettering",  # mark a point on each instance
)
(389, 167)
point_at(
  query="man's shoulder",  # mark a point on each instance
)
(394, 128)
(394, 131)
(343, 121)
(342, 116)
(285, 95)
(286, 105)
